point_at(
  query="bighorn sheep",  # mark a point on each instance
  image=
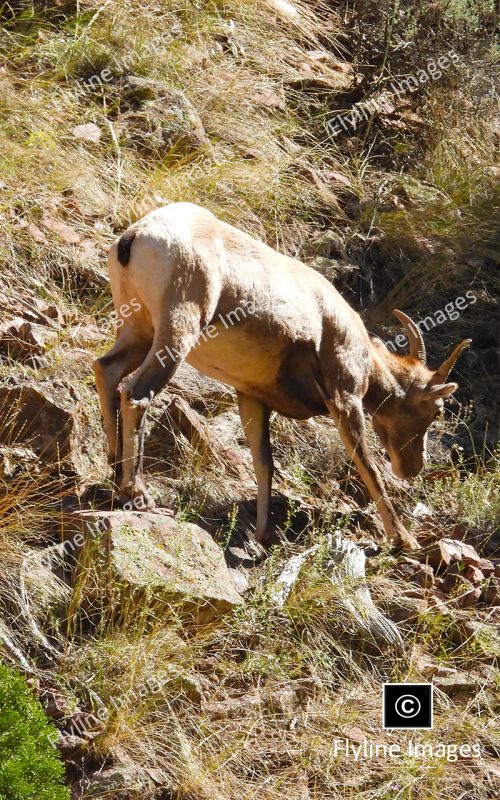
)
(277, 331)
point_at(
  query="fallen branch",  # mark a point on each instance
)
(345, 566)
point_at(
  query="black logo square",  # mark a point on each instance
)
(407, 706)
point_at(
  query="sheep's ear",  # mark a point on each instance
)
(442, 390)
(444, 370)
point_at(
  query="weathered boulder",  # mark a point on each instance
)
(175, 417)
(56, 422)
(128, 557)
(204, 394)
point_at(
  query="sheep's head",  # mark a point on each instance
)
(403, 419)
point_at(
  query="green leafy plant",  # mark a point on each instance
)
(30, 768)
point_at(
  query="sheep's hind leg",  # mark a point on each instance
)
(172, 342)
(126, 355)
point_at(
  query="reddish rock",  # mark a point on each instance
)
(491, 592)
(441, 475)
(124, 781)
(64, 231)
(418, 577)
(474, 575)
(437, 600)
(458, 588)
(424, 577)
(446, 551)
(487, 567)
(22, 340)
(55, 704)
(476, 537)
(469, 596)
(359, 736)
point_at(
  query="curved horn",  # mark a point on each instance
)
(446, 367)
(415, 339)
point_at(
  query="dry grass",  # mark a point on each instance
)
(249, 705)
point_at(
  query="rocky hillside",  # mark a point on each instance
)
(360, 137)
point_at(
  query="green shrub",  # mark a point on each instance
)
(29, 766)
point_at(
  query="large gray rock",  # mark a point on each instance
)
(128, 559)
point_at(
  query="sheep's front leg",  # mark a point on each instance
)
(349, 418)
(255, 420)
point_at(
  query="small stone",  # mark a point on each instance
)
(71, 746)
(436, 600)
(22, 340)
(284, 8)
(36, 234)
(88, 132)
(421, 574)
(456, 682)
(55, 705)
(421, 511)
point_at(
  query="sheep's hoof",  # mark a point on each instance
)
(408, 542)
(137, 497)
(268, 537)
